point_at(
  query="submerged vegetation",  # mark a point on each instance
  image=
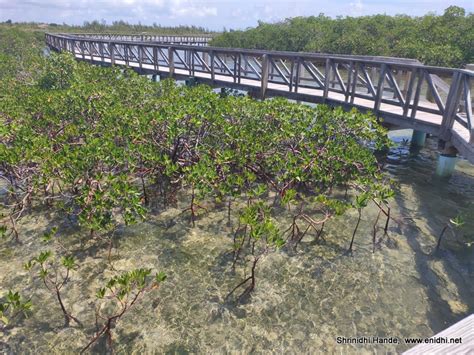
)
(101, 148)
(446, 40)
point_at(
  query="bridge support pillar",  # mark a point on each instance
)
(446, 165)
(418, 139)
(446, 162)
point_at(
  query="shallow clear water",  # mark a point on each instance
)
(303, 300)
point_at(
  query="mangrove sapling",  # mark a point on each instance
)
(454, 223)
(359, 203)
(262, 235)
(202, 177)
(382, 198)
(12, 306)
(240, 235)
(55, 274)
(117, 297)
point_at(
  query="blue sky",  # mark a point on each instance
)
(213, 14)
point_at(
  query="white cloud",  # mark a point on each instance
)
(356, 8)
(214, 14)
(182, 8)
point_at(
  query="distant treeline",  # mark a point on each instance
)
(116, 27)
(446, 40)
(124, 27)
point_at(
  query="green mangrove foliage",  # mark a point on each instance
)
(446, 40)
(104, 147)
(20, 56)
(13, 306)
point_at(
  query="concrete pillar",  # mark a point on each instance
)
(446, 165)
(418, 139)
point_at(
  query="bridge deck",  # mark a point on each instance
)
(463, 331)
(402, 92)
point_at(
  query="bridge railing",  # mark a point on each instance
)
(441, 97)
(175, 39)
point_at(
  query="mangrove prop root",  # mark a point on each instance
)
(67, 316)
(251, 278)
(239, 248)
(388, 220)
(320, 232)
(349, 251)
(374, 235)
(194, 208)
(438, 245)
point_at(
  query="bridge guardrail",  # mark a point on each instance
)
(176, 39)
(441, 98)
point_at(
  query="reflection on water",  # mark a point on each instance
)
(302, 300)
